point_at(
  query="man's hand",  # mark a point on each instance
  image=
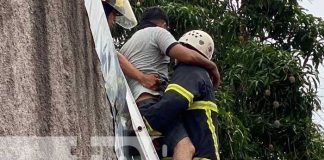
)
(150, 81)
(215, 77)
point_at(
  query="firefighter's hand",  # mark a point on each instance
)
(215, 77)
(150, 81)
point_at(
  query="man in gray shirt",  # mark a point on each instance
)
(148, 51)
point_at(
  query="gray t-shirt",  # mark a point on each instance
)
(146, 50)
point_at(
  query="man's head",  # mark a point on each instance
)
(200, 41)
(111, 13)
(157, 16)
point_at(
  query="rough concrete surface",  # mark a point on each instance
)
(51, 86)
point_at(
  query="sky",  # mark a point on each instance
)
(316, 7)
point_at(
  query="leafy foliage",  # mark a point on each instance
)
(266, 84)
(263, 49)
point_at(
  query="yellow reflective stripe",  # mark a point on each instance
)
(150, 130)
(167, 158)
(182, 91)
(199, 158)
(203, 105)
(212, 130)
(208, 107)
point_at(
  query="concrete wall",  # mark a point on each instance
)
(50, 78)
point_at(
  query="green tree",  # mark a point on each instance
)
(268, 52)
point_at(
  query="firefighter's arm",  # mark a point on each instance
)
(190, 56)
(150, 81)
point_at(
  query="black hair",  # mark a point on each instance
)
(153, 13)
(107, 7)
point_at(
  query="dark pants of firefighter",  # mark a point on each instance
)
(201, 126)
(199, 123)
(171, 137)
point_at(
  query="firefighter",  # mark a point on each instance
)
(189, 99)
(120, 12)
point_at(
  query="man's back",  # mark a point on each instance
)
(196, 80)
(200, 120)
(147, 51)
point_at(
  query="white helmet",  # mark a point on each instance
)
(199, 40)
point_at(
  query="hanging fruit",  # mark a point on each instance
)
(275, 104)
(267, 92)
(277, 123)
(138, 3)
(292, 79)
(270, 146)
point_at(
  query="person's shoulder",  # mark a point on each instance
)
(156, 29)
(150, 30)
